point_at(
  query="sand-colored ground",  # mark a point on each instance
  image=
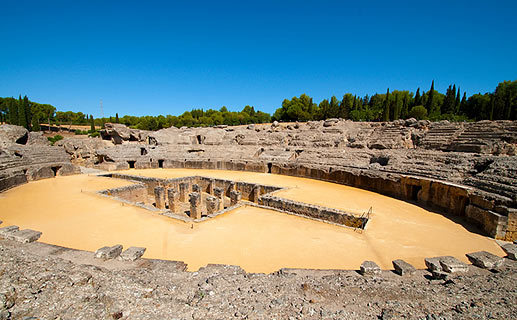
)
(69, 214)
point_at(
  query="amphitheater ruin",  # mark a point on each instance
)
(301, 204)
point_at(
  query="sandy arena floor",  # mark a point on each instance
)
(70, 215)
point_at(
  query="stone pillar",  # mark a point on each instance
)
(172, 196)
(255, 194)
(231, 187)
(196, 188)
(195, 205)
(235, 197)
(211, 186)
(219, 194)
(212, 205)
(159, 197)
(183, 191)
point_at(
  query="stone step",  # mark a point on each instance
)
(109, 252)
(485, 260)
(369, 268)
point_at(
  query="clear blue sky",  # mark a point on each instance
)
(150, 57)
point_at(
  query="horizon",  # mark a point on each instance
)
(164, 59)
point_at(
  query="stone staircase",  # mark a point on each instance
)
(485, 137)
(440, 136)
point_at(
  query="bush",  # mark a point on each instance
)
(54, 139)
(80, 132)
(94, 134)
(418, 112)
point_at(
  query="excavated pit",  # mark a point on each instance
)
(70, 212)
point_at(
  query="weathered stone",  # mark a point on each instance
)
(219, 194)
(369, 268)
(195, 205)
(445, 263)
(235, 197)
(510, 250)
(183, 186)
(11, 134)
(451, 265)
(172, 197)
(132, 253)
(212, 205)
(109, 252)
(25, 236)
(439, 275)
(6, 232)
(196, 188)
(402, 267)
(159, 197)
(485, 259)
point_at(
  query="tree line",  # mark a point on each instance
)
(433, 105)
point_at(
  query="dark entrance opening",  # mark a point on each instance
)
(55, 170)
(414, 192)
(143, 151)
(160, 163)
(269, 166)
(131, 164)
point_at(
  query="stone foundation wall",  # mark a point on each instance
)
(490, 212)
(132, 193)
(313, 211)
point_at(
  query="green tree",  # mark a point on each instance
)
(404, 112)
(418, 112)
(116, 118)
(430, 101)
(92, 124)
(22, 118)
(418, 99)
(386, 114)
(13, 112)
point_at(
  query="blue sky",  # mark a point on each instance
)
(154, 57)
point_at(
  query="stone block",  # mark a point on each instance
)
(235, 197)
(195, 205)
(402, 267)
(172, 197)
(212, 205)
(109, 252)
(26, 236)
(433, 264)
(159, 197)
(451, 264)
(7, 231)
(132, 253)
(445, 263)
(369, 268)
(511, 250)
(196, 188)
(485, 260)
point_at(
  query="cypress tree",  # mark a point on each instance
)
(92, 124)
(463, 103)
(418, 99)
(386, 114)
(457, 104)
(116, 118)
(13, 111)
(22, 119)
(28, 113)
(405, 110)
(430, 100)
(396, 110)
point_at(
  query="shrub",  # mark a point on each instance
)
(94, 134)
(418, 112)
(54, 139)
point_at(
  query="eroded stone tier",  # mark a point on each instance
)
(465, 169)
